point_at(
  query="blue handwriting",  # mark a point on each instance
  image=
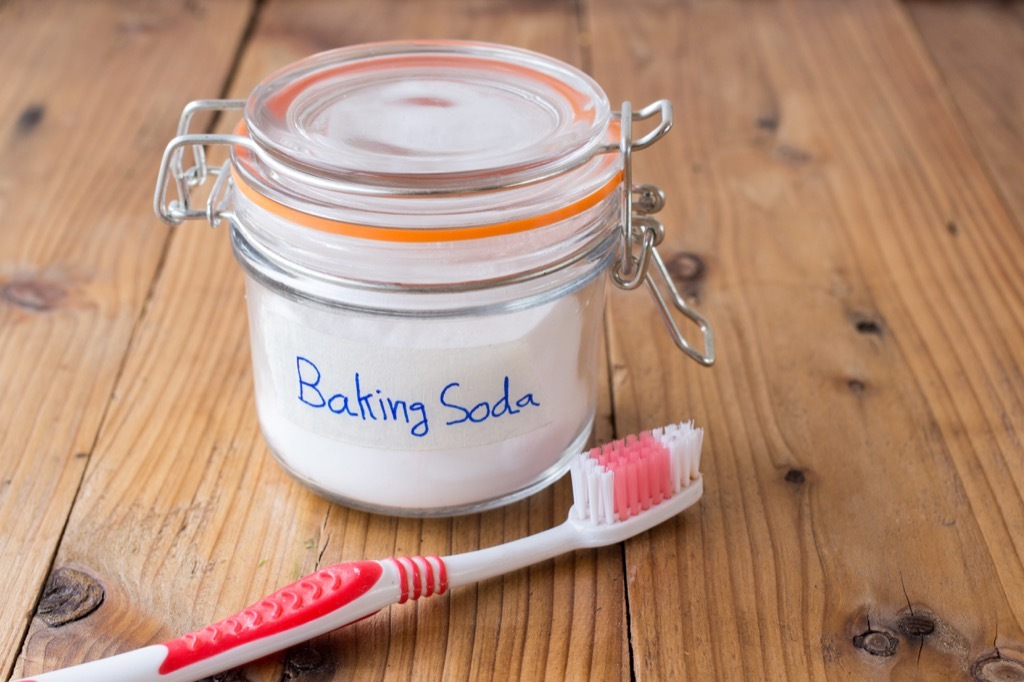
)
(372, 404)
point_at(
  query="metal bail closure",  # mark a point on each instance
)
(180, 209)
(641, 235)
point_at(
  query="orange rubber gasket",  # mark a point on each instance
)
(405, 234)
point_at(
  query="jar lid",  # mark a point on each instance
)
(429, 116)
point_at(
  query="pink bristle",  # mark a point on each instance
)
(643, 477)
(609, 452)
(608, 456)
(622, 508)
(626, 458)
(654, 470)
(654, 475)
(659, 481)
(621, 493)
(634, 493)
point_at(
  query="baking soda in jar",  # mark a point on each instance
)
(427, 231)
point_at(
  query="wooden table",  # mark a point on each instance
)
(845, 204)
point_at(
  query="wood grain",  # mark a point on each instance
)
(844, 205)
(78, 249)
(863, 450)
(184, 517)
(978, 49)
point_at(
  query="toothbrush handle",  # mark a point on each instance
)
(326, 600)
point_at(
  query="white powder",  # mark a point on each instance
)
(414, 435)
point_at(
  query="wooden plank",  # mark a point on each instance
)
(184, 518)
(864, 420)
(978, 48)
(88, 89)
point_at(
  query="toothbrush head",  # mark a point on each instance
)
(631, 485)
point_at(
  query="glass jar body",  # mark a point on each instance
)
(422, 386)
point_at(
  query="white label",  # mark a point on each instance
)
(404, 398)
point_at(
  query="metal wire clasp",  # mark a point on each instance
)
(172, 170)
(641, 234)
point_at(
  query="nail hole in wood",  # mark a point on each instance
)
(868, 327)
(795, 476)
(770, 123)
(30, 118)
(953, 228)
(856, 385)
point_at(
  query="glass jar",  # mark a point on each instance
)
(426, 230)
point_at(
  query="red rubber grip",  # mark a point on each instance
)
(299, 603)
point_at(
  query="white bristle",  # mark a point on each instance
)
(579, 487)
(684, 445)
(677, 466)
(595, 501)
(593, 493)
(693, 444)
(593, 490)
(607, 496)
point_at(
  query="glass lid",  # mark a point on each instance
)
(429, 115)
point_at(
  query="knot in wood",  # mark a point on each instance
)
(795, 476)
(30, 118)
(876, 643)
(33, 294)
(69, 595)
(687, 270)
(769, 122)
(868, 327)
(917, 625)
(994, 668)
(302, 660)
(792, 156)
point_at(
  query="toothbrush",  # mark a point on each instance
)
(619, 490)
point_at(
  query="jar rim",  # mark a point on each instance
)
(428, 117)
